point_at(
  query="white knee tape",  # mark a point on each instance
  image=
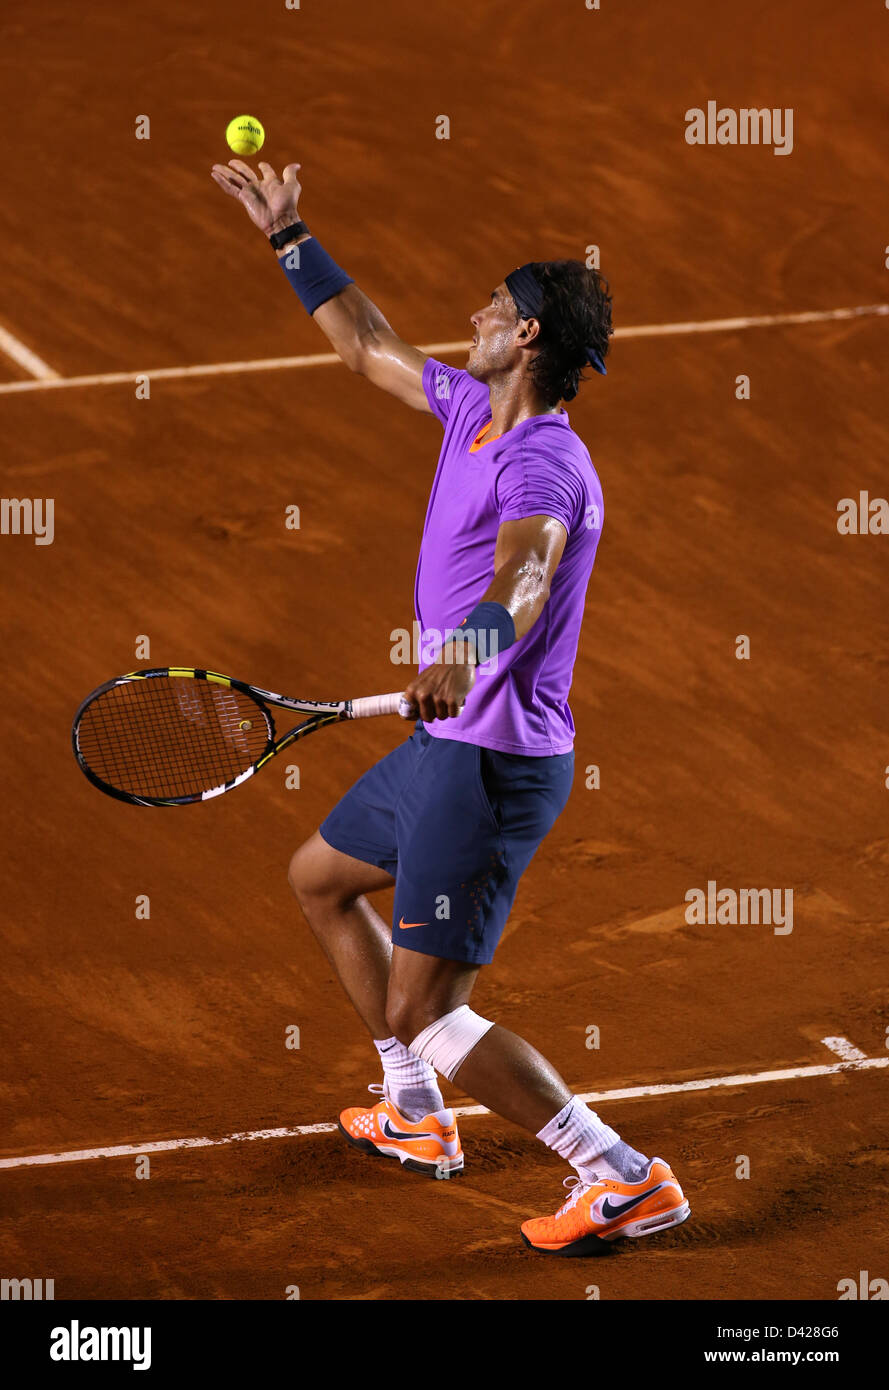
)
(447, 1043)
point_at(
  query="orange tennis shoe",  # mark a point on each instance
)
(430, 1146)
(608, 1210)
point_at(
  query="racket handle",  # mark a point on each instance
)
(371, 705)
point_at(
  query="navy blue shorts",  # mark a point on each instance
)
(456, 826)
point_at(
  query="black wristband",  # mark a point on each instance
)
(279, 239)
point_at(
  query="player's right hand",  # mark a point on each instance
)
(271, 203)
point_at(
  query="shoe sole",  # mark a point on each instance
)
(443, 1168)
(601, 1245)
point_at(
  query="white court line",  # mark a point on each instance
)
(655, 330)
(26, 358)
(328, 359)
(625, 1093)
(843, 1048)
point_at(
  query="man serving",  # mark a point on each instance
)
(454, 815)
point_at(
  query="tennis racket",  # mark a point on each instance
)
(175, 734)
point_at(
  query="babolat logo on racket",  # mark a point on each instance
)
(178, 734)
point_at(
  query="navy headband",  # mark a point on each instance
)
(525, 289)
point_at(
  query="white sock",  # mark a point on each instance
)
(593, 1148)
(411, 1084)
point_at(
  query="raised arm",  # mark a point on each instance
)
(366, 343)
(356, 329)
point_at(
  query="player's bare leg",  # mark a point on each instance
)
(330, 888)
(502, 1072)
(617, 1192)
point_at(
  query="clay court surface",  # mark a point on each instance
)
(121, 256)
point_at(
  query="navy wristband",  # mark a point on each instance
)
(314, 275)
(490, 628)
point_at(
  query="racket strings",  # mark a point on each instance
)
(172, 736)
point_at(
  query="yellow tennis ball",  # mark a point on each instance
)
(245, 135)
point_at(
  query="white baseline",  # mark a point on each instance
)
(53, 382)
(590, 1097)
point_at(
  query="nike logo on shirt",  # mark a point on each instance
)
(404, 925)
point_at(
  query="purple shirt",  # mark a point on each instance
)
(519, 703)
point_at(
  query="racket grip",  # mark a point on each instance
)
(368, 706)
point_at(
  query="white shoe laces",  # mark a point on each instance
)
(577, 1187)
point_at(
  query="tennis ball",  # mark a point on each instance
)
(245, 135)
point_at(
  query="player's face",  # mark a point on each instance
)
(494, 343)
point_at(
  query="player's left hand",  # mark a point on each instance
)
(272, 203)
(440, 691)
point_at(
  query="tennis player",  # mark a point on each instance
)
(455, 814)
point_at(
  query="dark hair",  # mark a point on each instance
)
(576, 313)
